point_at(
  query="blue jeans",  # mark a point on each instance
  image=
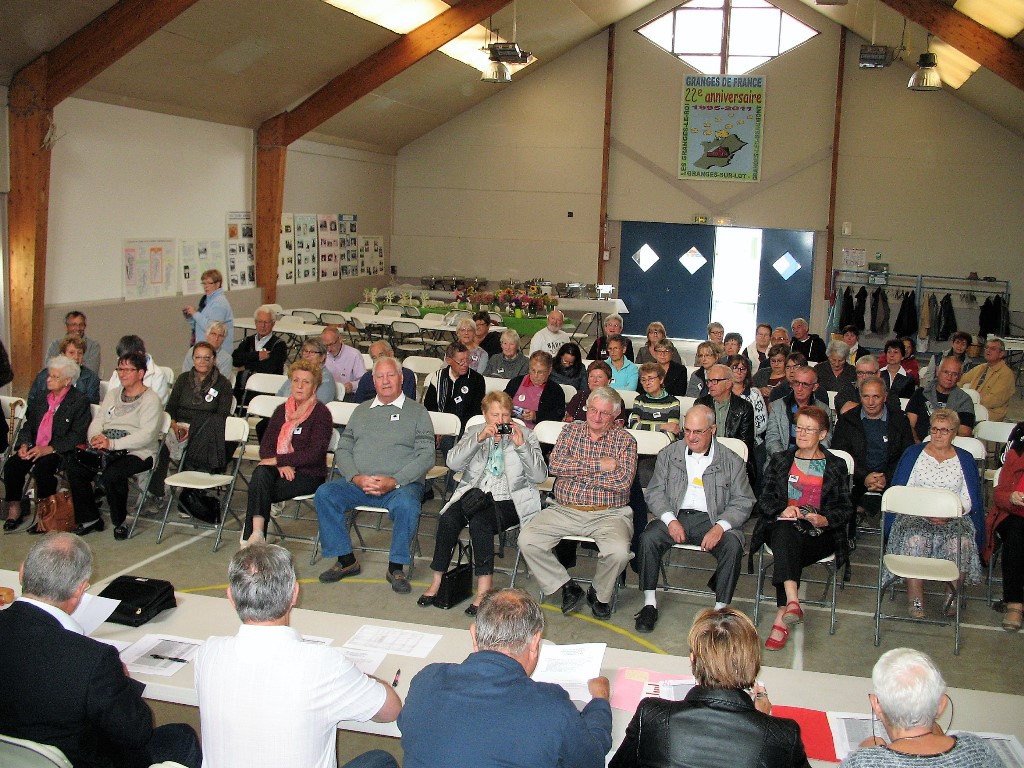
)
(333, 500)
(375, 758)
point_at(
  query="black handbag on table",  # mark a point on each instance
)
(457, 583)
(141, 599)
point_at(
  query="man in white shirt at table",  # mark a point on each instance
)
(266, 680)
(550, 338)
(344, 362)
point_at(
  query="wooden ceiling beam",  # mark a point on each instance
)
(994, 52)
(389, 61)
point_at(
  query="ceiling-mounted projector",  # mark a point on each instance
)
(508, 53)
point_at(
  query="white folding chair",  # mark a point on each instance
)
(974, 394)
(920, 502)
(367, 307)
(264, 384)
(494, 384)
(367, 361)
(422, 367)
(980, 413)
(142, 479)
(24, 753)
(341, 412)
(628, 398)
(569, 390)
(735, 445)
(236, 430)
(997, 433)
(306, 316)
(686, 403)
(832, 400)
(260, 407)
(407, 337)
(333, 318)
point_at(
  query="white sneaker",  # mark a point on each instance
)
(277, 509)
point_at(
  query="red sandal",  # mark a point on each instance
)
(773, 644)
(794, 614)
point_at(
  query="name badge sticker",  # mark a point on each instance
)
(522, 398)
(794, 479)
(297, 431)
(394, 416)
(458, 399)
(465, 389)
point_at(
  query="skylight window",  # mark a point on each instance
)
(697, 34)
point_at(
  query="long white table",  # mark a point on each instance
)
(200, 616)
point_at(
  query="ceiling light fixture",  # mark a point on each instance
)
(504, 57)
(926, 78)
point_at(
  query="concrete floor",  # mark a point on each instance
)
(185, 559)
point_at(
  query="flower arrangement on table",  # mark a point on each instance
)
(388, 296)
(370, 295)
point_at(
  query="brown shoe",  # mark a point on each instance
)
(338, 572)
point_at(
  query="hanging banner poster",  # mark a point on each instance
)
(348, 259)
(329, 243)
(194, 258)
(305, 247)
(720, 133)
(371, 255)
(241, 256)
(149, 268)
(286, 251)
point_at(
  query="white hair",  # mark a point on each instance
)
(265, 309)
(607, 394)
(909, 688)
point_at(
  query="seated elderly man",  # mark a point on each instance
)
(810, 345)
(941, 392)
(216, 335)
(848, 396)
(593, 463)
(699, 494)
(365, 391)
(456, 388)
(74, 325)
(88, 383)
(493, 713)
(550, 338)
(384, 454)
(263, 352)
(781, 432)
(155, 377)
(733, 414)
(995, 380)
(68, 690)
(268, 674)
(344, 362)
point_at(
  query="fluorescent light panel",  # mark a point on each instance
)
(1004, 17)
(954, 67)
(401, 16)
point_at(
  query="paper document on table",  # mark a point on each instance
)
(365, 661)
(1006, 747)
(849, 729)
(119, 644)
(402, 642)
(317, 640)
(161, 655)
(669, 690)
(93, 611)
(570, 666)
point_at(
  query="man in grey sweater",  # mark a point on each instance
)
(384, 454)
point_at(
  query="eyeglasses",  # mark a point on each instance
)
(867, 373)
(121, 369)
(716, 381)
(792, 366)
(308, 352)
(202, 358)
(695, 432)
(738, 367)
(807, 430)
(807, 384)
(941, 431)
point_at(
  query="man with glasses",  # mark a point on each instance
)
(344, 363)
(781, 433)
(734, 413)
(593, 463)
(263, 352)
(74, 325)
(942, 392)
(364, 390)
(456, 388)
(794, 362)
(213, 307)
(848, 396)
(216, 335)
(995, 380)
(700, 495)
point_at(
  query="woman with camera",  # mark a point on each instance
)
(501, 464)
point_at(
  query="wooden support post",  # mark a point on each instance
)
(602, 234)
(28, 207)
(837, 122)
(271, 155)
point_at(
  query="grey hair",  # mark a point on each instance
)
(384, 343)
(709, 413)
(510, 334)
(217, 325)
(613, 318)
(725, 372)
(716, 326)
(65, 366)
(466, 322)
(316, 345)
(265, 309)
(909, 688)
(799, 321)
(873, 380)
(55, 566)
(507, 620)
(868, 359)
(262, 582)
(837, 347)
(607, 394)
(947, 415)
(997, 340)
(390, 361)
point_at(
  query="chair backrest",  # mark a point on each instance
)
(832, 400)
(236, 430)
(266, 383)
(649, 443)
(569, 390)
(104, 387)
(23, 753)
(686, 403)
(277, 309)
(735, 445)
(367, 361)
(547, 432)
(903, 403)
(496, 319)
(95, 409)
(974, 394)
(306, 316)
(341, 412)
(845, 456)
(993, 431)
(333, 318)
(972, 445)
(447, 424)
(921, 502)
(391, 312)
(980, 413)
(628, 398)
(494, 384)
(264, 405)
(365, 306)
(423, 366)
(405, 327)
(411, 311)
(168, 374)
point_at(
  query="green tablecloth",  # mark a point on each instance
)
(524, 326)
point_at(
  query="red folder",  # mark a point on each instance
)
(814, 731)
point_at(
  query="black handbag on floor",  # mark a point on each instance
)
(457, 583)
(141, 599)
(199, 505)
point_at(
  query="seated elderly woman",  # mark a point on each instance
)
(612, 327)
(655, 332)
(835, 372)
(88, 383)
(725, 720)
(510, 361)
(56, 421)
(501, 464)
(655, 410)
(909, 697)
(465, 332)
(599, 374)
(805, 503)
(1006, 518)
(216, 335)
(293, 450)
(485, 337)
(535, 397)
(665, 355)
(568, 367)
(707, 355)
(124, 434)
(772, 373)
(938, 463)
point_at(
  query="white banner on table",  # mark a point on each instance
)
(401, 642)
(570, 666)
(161, 655)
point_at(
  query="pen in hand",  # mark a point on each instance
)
(168, 658)
(394, 683)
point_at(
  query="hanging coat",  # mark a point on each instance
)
(947, 318)
(846, 316)
(879, 312)
(926, 319)
(906, 318)
(860, 308)
(933, 309)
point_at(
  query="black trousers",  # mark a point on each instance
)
(1012, 531)
(43, 470)
(266, 486)
(115, 483)
(175, 742)
(483, 527)
(793, 552)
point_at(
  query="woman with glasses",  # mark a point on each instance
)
(742, 385)
(805, 504)
(568, 367)
(534, 397)
(938, 463)
(770, 376)
(655, 333)
(655, 410)
(612, 327)
(122, 436)
(667, 356)
(465, 332)
(216, 335)
(213, 307)
(706, 357)
(757, 353)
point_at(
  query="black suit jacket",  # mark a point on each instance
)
(739, 423)
(70, 421)
(849, 436)
(68, 690)
(246, 356)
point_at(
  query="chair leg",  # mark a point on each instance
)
(167, 511)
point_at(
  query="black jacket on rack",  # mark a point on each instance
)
(946, 321)
(906, 319)
(991, 318)
(879, 312)
(860, 308)
(846, 313)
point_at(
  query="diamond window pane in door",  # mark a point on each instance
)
(692, 260)
(786, 265)
(645, 258)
